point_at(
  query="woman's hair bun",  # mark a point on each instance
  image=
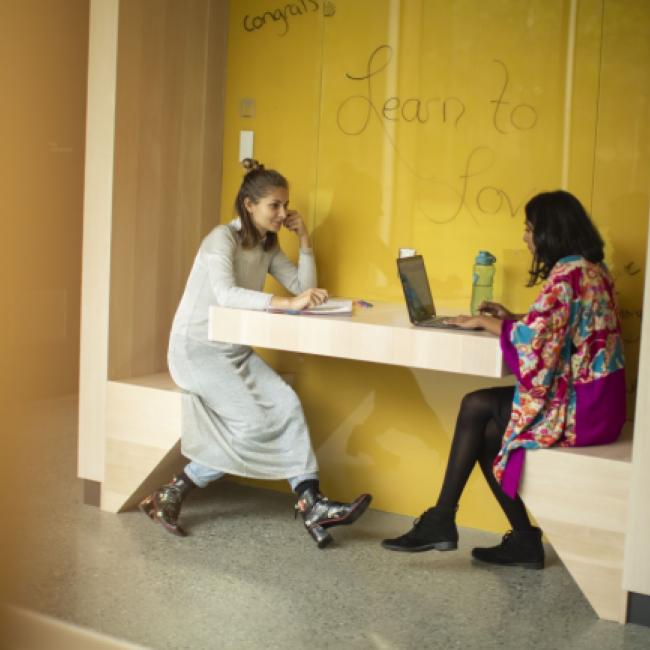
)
(250, 164)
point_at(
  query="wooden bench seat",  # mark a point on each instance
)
(143, 431)
(579, 497)
(143, 428)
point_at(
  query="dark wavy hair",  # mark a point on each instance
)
(560, 227)
(257, 183)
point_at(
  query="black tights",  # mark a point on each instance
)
(482, 421)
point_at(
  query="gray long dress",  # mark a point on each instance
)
(239, 416)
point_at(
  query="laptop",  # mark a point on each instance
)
(417, 293)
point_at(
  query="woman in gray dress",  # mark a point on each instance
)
(239, 416)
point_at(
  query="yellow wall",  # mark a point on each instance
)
(621, 168)
(429, 124)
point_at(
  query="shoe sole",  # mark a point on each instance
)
(533, 566)
(433, 546)
(360, 505)
(320, 536)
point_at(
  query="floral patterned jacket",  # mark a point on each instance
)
(567, 356)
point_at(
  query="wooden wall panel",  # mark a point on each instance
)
(100, 119)
(152, 188)
(171, 67)
(636, 576)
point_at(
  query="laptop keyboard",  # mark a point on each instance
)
(438, 321)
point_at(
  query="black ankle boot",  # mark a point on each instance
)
(434, 529)
(518, 548)
(164, 505)
(319, 513)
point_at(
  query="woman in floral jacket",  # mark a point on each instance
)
(567, 356)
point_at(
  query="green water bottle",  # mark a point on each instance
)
(482, 279)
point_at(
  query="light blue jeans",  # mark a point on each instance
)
(201, 475)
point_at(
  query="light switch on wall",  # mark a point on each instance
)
(245, 145)
(247, 107)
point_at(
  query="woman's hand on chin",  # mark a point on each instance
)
(293, 222)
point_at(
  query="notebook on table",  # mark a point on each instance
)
(417, 293)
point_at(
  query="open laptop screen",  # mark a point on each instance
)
(416, 288)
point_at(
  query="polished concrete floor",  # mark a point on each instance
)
(249, 577)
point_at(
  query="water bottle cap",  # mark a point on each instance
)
(485, 257)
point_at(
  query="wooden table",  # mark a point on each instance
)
(381, 334)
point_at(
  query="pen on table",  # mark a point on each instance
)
(362, 303)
